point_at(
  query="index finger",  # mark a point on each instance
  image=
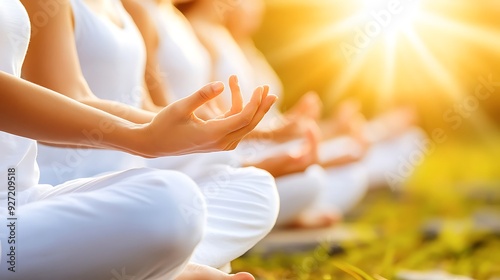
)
(266, 104)
(242, 119)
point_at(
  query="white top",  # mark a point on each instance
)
(185, 64)
(252, 69)
(230, 60)
(16, 152)
(112, 59)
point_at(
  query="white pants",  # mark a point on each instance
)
(336, 188)
(299, 192)
(347, 185)
(59, 165)
(387, 157)
(242, 204)
(124, 224)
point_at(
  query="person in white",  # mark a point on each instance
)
(126, 224)
(177, 62)
(352, 162)
(101, 39)
(132, 222)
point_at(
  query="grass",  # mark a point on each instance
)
(447, 219)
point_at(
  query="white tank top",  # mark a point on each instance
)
(252, 70)
(15, 152)
(184, 62)
(230, 60)
(264, 74)
(112, 59)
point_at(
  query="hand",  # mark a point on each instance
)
(309, 105)
(344, 121)
(293, 161)
(177, 130)
(297, 121)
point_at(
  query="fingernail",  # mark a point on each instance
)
(274, 97)
(236, 79)
(217, 86)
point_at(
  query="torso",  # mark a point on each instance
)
(111, 51)
(112, 59)
(184, 62)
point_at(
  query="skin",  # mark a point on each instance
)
(35, 112)
(278, 165)
(155, 85)
(210, 24)
(52, 61)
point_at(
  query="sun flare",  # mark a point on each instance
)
(384, 52)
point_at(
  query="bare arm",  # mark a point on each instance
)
(52, 62)
(147, 27)
(32, 111)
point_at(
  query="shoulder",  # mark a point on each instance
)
(138, 11)
(143, 19)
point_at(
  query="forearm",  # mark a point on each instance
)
(32, 111)
(120, 110)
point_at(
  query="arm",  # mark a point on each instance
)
(52, 62)
(152, 76)
(32, 111)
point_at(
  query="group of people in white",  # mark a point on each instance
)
(145, 164)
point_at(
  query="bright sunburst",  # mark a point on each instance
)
(420, 51)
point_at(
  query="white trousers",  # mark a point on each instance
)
(336, 188)
(299, 192)
(242, 204)
(390, 156)
(129, 224)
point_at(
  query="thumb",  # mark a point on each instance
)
(202, 96)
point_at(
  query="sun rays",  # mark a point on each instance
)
(409, 50)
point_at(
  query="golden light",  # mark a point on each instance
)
(384, 52)
(390, 18)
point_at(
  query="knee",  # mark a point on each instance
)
(298, 192)
(261, 187)
(178, 214)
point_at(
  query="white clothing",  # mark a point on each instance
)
(346, 185)
(185, 64)
(130, 223)
(88, 228)
(178, 43)
(15, 152)
(112, 60)
(392, 162)
(242, 203)
(112, 57)
(249, 193)
(231, 60)
(299, 192)
(242, 207)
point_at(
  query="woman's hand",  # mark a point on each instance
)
(178, 130)
(292, 161)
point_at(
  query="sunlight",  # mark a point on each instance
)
(387, 52)
(390, 18)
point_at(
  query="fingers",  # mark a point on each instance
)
(266, 92)
(202, 96)
(236, 97)
(242, 119)
(264, 107)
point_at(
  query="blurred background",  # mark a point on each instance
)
(441, 56)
